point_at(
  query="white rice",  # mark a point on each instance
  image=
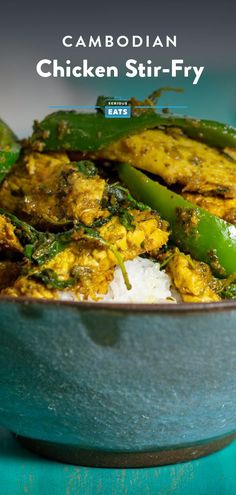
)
(149, 285)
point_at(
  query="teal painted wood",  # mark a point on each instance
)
(23, 473)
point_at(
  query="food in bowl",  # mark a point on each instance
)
(79, 222)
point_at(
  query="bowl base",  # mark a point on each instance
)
(71, 454)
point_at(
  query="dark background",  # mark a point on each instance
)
(30, 31)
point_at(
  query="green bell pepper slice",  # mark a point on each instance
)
(9, 149)
(91, 132)
(196, 231)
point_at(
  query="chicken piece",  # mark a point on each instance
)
(46, 190)
(91, 263)
(8, 239)
(221, 207)
(30, 190)
(82, 198)
(177, 159)
(149, 234)
(26, 287)
(193, 279)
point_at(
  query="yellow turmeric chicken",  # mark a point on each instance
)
(177, 159)
(193, 279)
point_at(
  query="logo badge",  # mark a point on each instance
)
(117, 109)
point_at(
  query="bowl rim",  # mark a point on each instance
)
(153, 308)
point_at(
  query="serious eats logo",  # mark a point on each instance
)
(117, 109)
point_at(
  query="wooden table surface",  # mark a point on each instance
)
(23, 473)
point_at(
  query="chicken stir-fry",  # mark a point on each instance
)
(67, 222)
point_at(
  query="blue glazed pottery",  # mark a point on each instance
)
(118, 385)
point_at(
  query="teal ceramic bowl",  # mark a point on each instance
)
(118, 385)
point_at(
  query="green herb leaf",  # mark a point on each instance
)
(229, 292)
(119, 197)
(25, 232)
(28, 251)
(126, 218)
(49, 278)
(86, 167)
(38, 246)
